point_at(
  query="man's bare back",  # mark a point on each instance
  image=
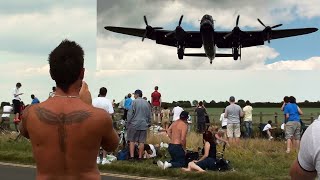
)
(178, 132)
(66, 134)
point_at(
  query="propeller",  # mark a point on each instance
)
(148, 28)
(178, 28)
(268, 29)
(236, 30)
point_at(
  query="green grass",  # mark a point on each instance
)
(252, 159)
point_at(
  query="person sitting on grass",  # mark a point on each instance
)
(267, 129)
(208, 160)
(150, 151)
(177, 133)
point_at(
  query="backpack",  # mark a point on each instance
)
(191, 155)
(223, 164)
(123, 154)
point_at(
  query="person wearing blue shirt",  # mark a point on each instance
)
(34, 99)
(127, 105)
(293, 125)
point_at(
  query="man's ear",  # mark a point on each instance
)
(51, 74)
(81, 76)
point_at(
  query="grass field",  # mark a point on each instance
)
(252, 159)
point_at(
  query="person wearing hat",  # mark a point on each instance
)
(177, 133)
(138, 121)
(233, 113)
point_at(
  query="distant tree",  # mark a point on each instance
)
(195, 103)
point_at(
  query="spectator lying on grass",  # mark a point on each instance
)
(207, 161)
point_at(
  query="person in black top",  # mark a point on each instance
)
(207, 161)
(201, 117)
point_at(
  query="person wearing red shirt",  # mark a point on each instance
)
(156, 104)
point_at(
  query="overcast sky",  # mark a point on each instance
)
(31, 30)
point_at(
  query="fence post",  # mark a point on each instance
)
(260, 117)
(276, 118)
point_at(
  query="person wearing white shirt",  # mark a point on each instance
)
(17, 102)
(267, 129)
(149, 151)
(224, 121)
(6, 111)
(176, 111)
(103, 103)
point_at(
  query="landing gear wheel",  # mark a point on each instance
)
(235, 53)
(210, 61)
(180, 53)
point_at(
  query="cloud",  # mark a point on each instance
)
(309, 64)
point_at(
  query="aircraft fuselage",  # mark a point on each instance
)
(207, 35)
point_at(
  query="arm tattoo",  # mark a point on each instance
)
(61, 120)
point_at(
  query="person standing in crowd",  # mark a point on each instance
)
(224, 122)
(139, 119)
(35, 100)
(17, 102)
(177, 133)
(233, 113)
(165, 114)
(127, 105)
(156, 105)
(5, 117)
(51, 94)
(66, 131)
(201, 120)
(103, 103)
(293, 125)
(176, 112)
(247, 110)
(307, 165)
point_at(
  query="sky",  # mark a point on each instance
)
(31, 30)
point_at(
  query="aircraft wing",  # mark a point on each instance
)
(192, 41)
(204, 55)
(256, 38)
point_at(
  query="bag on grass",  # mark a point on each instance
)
(223, 164)
(191, 155)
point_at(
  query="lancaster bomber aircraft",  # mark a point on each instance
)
(209, 38)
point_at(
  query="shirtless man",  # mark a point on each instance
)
(66, 131)
(177, 148)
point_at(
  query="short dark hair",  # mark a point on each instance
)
(200, 103)
(156, 88)
(32, 96)
(103, 91)
(147, 147)
(129, 95)
(248, 102)
(165, 106)
(66, 63)
(18, 84)
(269, 122)
(292, 99)
(286, 99)
(232, 99)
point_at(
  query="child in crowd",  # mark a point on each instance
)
(218, 134)
(267, 129)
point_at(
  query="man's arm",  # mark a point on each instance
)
(184, 136)
(110, 138)
(23, 125)
(169, 131)
(85, 94)
(130, 113)
(297, 173)
(282, 107)
(225, 113)
(299, 110)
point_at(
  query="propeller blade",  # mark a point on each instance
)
(144, 35)
(237, 20)
(145, 20)
(276, 26)
(261, 23)
(169, 34)
(180, 20)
